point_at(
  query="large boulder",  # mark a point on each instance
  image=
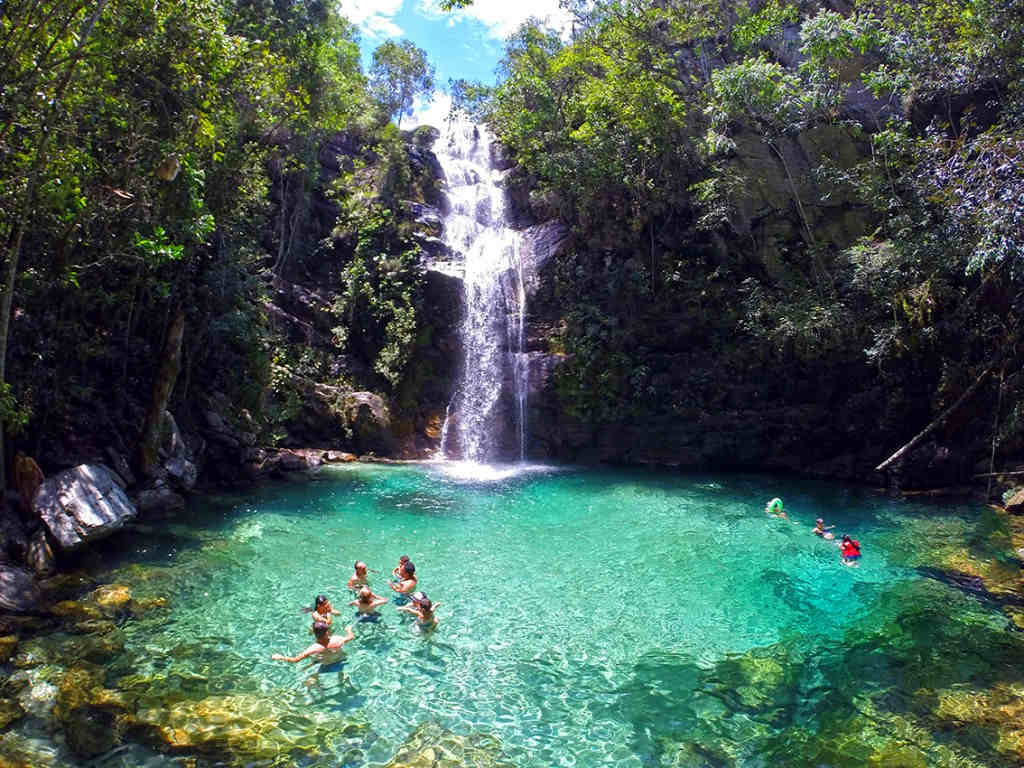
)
(82, 504)
(367, 415)
(18, 591)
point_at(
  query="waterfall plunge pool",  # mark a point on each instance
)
(589, 617)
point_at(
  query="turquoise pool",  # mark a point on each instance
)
(592, 617)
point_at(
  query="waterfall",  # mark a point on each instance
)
(493, 333)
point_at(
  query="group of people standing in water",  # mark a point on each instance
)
(327, 648)
(849, 548)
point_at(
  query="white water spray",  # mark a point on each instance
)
(493, 332)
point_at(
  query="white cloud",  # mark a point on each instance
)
(503, 17)
(433, 113)
(375, 17)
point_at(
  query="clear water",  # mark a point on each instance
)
(589, 617)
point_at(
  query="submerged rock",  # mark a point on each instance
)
(18, 591)
(112, 599)
(10, 710)
(83, 504)
(241, 729)
(8, 644)
(433, 746)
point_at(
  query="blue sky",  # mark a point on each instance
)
(461, 44)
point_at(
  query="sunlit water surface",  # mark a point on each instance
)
(588, 617)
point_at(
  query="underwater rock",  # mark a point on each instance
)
(37, 689)
(762, 681)
(111, 599)
(10, 710)
(241, 729)
(147, 605)
(8, 644)
(82, 504)
(92, 627)
(63, 648)
(18, 591)
(1000, 708)
(76, 611)
(433, 746)
(92, 717)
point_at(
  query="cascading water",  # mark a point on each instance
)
(493, 332)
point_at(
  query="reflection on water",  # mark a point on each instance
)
(588, 618)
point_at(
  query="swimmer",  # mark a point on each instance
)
(849, 550)
(820, 529)
(327, 647)
(408, 579)
(367, 604)
(396, 572)
(423, 609)
(322, 610)
(358, 578)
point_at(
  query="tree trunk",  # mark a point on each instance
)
(941, 418)
(170, 364)
(14, 251)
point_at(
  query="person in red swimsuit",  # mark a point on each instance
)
(849, 550)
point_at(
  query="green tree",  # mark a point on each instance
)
(400, 72)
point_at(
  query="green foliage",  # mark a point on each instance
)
(377, 305)
(753, 27)
(400, 72)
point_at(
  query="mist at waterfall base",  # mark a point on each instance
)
(588, 617)
(486, 252)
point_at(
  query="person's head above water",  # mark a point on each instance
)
(360, 567)
(365, 595)
(421, 599)
(321, 602)
(408, 569)
(820, 521)
(322, 631)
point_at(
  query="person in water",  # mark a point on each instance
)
(820, 529)
(367, 603)
(396, 572)
(323, 611)
(407, 583)
(849, 550)
(327, 647)
(423, 609)
(358, 578)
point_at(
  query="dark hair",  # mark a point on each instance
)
(846, 537)
(427, 604)
(321, 628)
(403, 559)
(320, 600)
(409, 567)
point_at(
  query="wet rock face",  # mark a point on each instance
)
(370, 421)
(82, 504)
